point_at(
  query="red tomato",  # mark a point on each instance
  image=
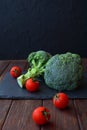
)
(32, 85)
(41, 115)
(61, 100)
(15, 71)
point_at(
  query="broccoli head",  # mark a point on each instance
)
(37, 61)
(38, 58)
(64, 71)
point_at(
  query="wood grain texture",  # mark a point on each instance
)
(20, 115)
(4, 104)
(3, 65)
(61, 119)
(4, 110)
(20, 63)
(81, 112)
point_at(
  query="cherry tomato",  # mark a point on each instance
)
(61, 100)
(41, 115)
(15, 71)
(32, 85)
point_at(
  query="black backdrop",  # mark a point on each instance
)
(56, 26)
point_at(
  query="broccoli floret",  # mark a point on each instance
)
(38, 58)
(37, 61)
(63, 71)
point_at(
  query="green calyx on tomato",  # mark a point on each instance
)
(15, 71)
(46, 114)
(41, 115)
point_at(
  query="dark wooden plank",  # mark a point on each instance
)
(20, 115)
(61, 119)
(3, 65)
(81, 111)
(81, 106)
(5, 104)
(4, 109)
(21, 63)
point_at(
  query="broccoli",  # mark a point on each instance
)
(37, 61)
(63, 71)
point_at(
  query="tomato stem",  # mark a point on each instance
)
(16, 71)
(46, 114)
(57, 96)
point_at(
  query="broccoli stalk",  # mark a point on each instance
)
(37, 61)
(32, 72)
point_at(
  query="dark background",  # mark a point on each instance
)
(56, 26)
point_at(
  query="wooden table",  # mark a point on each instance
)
(16, 114)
